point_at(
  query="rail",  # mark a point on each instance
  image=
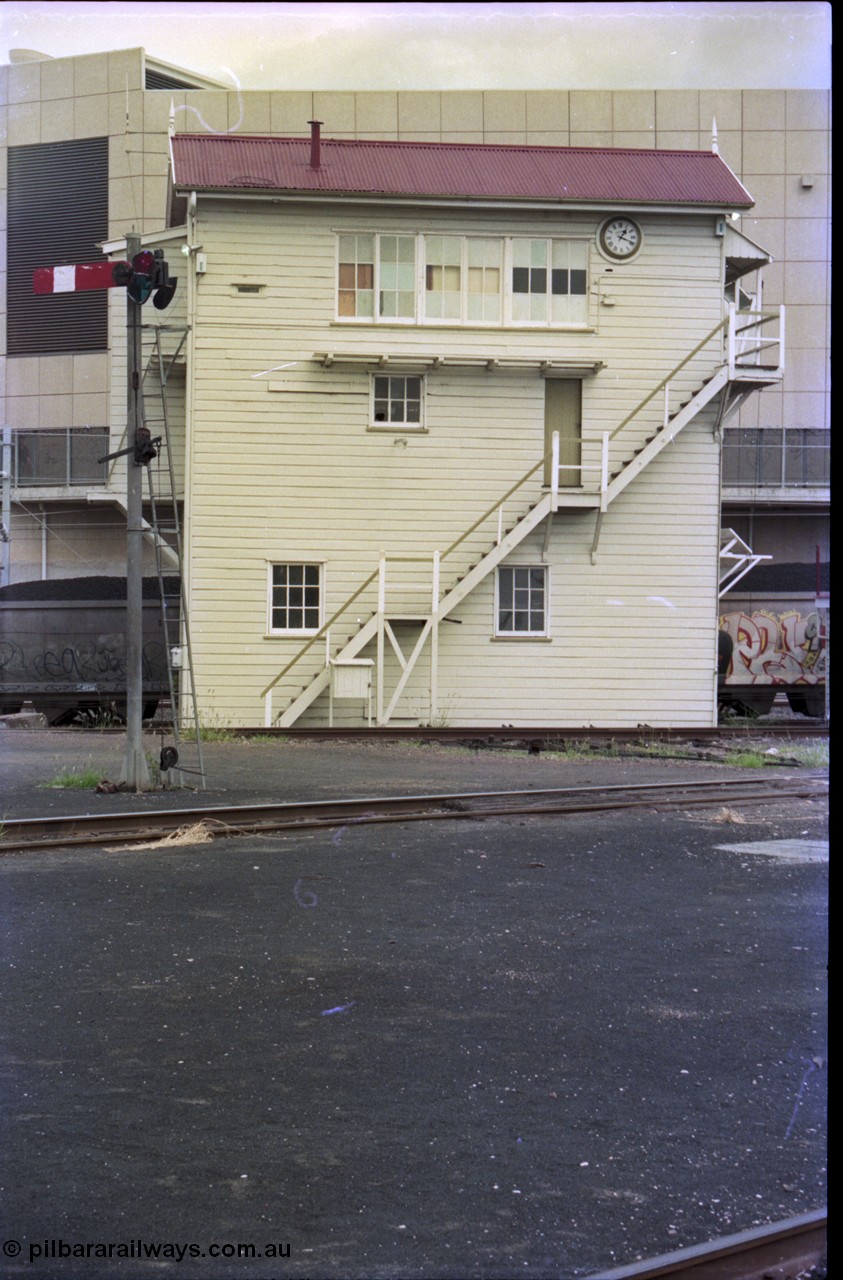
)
(793, 1246)
(25, 834)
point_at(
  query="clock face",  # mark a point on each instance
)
(620, 237)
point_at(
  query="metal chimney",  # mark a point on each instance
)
(315, 143)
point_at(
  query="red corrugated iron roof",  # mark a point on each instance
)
(204, 162)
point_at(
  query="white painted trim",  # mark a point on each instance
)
(421, 319)
(414, 202)
(544, 634)
(399, 428)
(276, 633)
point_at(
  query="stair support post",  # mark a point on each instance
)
(598, 525)
(604, 470)
(434, 640)
(554, 472)
(380, 640)
(731, 342)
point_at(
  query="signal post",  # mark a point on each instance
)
(135, 773)
(144, 275)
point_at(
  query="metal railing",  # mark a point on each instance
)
(776, 458)
(663, 386)
(755, 339)
(59, 457)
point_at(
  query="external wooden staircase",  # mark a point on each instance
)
(736, 377)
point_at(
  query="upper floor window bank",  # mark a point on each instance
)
(471, 280)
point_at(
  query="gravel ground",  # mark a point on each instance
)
(247, 771)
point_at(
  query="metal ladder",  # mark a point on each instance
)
(167, 541)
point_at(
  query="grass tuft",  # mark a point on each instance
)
(70, 779)
(811, 755)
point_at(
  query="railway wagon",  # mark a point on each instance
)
(63, 647)
(763, 653)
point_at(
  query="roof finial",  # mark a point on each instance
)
(714, 145)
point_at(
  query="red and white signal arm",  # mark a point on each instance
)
(85, 275)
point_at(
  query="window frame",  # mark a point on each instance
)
(528, 634)
(387, 425)
(68, 467)
(310, 563)
(376, 317)
(506, 296)
(547, 322)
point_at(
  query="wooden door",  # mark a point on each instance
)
(563, 413)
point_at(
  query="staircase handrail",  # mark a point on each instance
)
(742, 348)
(321, 632)
(759, 318)
(669, 378)
(372, 576)
(497, 504)
(729, 320)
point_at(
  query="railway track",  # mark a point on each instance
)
(234, 820)
(549, 739)
(782, 1251)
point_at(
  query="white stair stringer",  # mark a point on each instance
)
(492, 559)
(666, 435)
(546, 505)
(320, 681)
(449, 602)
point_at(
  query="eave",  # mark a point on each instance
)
(367, 199)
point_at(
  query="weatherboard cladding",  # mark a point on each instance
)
(457, 171)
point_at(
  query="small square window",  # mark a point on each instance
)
(521, 607)
(295, 598)
(397, 401)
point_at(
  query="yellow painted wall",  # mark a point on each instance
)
(284, 468)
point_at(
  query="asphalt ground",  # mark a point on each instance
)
(249, 771)
(536, 1046)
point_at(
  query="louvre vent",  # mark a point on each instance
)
(158, 80)
(58, 214)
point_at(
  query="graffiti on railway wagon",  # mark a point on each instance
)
(775, 648)
(84, 661)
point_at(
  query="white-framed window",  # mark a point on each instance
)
(295, 598)
(521, 600)
(397, 401)
(443, 277)
(549, 282)
(396, 283)
(462, 280)
(484, 280)
(376, 277)
(356, 277)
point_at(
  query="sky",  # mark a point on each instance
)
(668, 44)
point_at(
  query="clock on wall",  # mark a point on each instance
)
(620, 237)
